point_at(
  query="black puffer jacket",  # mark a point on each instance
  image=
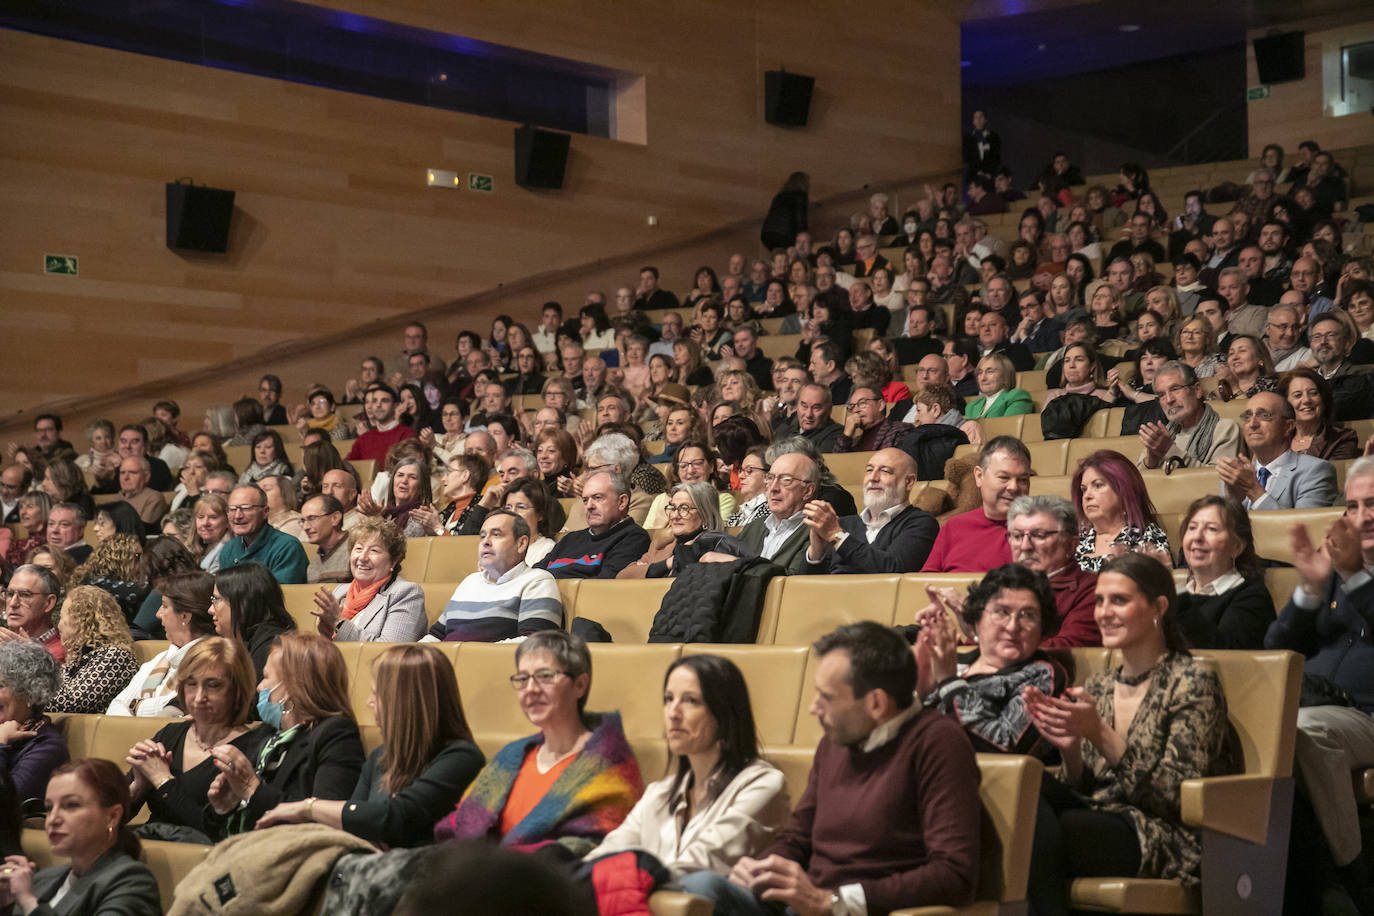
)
(715, 602)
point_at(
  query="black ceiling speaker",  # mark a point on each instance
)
(198, 217)
(1280, 58)
(787, 98)
(540, 158)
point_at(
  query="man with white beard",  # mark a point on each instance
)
(889, 536)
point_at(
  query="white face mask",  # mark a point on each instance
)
(910, 227)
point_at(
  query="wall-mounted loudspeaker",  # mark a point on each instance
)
(198, 217)
(787, 98)
(1280, 58)
(540, 157)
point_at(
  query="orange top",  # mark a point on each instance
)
(529, 788)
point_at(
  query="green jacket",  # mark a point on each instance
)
(279, 552)
(1012, 403)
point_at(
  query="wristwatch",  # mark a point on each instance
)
(836, 905)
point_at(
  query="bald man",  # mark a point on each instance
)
(889, 536)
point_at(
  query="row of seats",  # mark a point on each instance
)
(1242, 817)
(797, 609)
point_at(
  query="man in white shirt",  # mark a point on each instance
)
(782, 535)
(1283, 333)
(14, 483)
(546, 335)
(1276, 477)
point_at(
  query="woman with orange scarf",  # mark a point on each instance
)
(378, 605)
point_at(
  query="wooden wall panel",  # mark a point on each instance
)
(1295, 111)
(334, 229)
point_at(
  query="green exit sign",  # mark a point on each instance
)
(1256, 93)
(63, 264)
(478, 182)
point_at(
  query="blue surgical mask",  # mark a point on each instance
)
(269, 710)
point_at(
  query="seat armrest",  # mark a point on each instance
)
(1235, 805)
(677, 903)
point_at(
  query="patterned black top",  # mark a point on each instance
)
(1131, 538)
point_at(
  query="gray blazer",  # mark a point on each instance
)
(116, 885)
(396, 614)
(1301, 482)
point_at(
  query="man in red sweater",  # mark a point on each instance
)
(890, 817)
(1043, 531)
(977, 541)
(380, 405)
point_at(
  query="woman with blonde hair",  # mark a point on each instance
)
(100, 652)
(1196, 344)
(1081, 373)
(114, 566)
(739, 388)
(33, 515)
(55, 559)
(1248, 369)
(308, 747)
(212, 529)
(425, 762)
(997, 385)
(689, 367)
(1107, 308)
(173, 771)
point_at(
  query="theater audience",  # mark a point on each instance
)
(379, 604)
(100, 659)
(425, 762)
(172, 772)
(1224, 604)
(1196, 344)
(720, 800)
(31, 747)
(976, 541)
(247, 605)
(1128, 739)
(1247, 371)
(1043, 533)
(782, 535)
(88, 804)
(890, 815)
(1275, 476)
(1314, 432)
(505, 599)
(184, 612)
(1009, 611)
(694, 462)
(1115, 512)
(308, 745)
(889, 535)
(573, 781)
(269, 458)
(115, 567)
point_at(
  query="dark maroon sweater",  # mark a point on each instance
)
(902, 821)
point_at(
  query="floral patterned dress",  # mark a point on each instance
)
(1131, 538)
(1180, 732)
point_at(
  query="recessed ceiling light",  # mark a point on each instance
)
(1130, 27)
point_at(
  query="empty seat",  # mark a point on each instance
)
(630, 679)
(415, 566)
(451, 559)
(1273, 529)
(436, 597)
(626, 608)
(814, 605)
(1083, 447)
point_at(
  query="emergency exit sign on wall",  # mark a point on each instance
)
(1256, 93)
(478, 182)
(63, 264)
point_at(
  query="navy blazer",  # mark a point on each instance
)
(901, 546)
(1302, 482)
(1336, 637)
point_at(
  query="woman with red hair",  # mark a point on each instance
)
(1115, 514)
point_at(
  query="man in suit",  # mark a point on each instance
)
(993, 338)
(1328, 621)
(889, 535)
(1038, 333)
(782, 535)
(1276, 477)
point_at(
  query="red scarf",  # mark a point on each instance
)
(360, 596)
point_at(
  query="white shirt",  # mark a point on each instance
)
(1220, 585)
(778, 532)
(543, 341)
(1274, 472)
(1291, 361)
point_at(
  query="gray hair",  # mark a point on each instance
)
(28, 671)
(78, 513)
(222, 421)
(256, 489)
(225, 476)
(1057, 507)
(569, 652)
(1180, 368)
(1234, 272)
(51, 585)
(800, 445)
(613, 448)
(525, 455)
(707, 502)
(1360, 467)
(287, 488)
(619, 482)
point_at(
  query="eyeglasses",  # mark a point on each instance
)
(860, 402)
(17, 594)
(543, 677)
(1317, 336)
(1174, 390)
(1285, 328)
(1024, 618)
(694, 464)
(746, 471)
(679, 511)
(1264, 416)
(1039, 535)
(786, 481)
